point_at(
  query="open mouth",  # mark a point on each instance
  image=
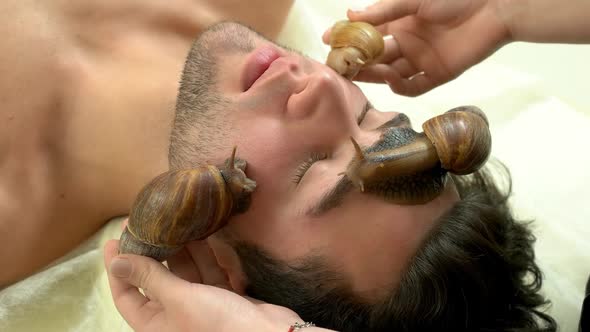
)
(257, 64)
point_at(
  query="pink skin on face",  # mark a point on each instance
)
(295, 108)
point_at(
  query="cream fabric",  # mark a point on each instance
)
(541, 131)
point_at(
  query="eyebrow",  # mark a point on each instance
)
(333, 197)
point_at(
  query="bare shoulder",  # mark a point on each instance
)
(264, 16)
(60, 176)
(87, 92)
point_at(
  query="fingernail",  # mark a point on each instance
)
(120, 267)
(357, 8)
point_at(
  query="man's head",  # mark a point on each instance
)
(343, 259)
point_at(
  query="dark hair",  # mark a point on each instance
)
(476, 271)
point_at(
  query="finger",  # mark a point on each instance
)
(130, 272)
(381, 73)
(404, 68)
(133, 306)
(385, 11)
(209, 269)
(391, 50)
(372, 74)
(413, 86)
(326, 36)
(423, 57)
(183, 265)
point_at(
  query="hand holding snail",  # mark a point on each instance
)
(181, 206)
(354, 45)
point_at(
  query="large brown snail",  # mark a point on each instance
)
(177, 207)
(458, 141)
(181, 206)
(353, 46)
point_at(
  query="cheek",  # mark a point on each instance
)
(268, 151)
(370, 240)
(269, 225)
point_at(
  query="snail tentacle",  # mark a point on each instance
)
(458, 141)
(180, 206)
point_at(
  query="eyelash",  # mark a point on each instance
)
(302, 169)
(313, 158)
(362, 118)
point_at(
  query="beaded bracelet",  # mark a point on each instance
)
(299, 326)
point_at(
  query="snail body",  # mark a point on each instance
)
(353, 46)
(180, 206)
(458, 141)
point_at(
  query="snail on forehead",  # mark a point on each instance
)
(353, 46)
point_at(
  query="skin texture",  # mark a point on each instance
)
(190, 262)
(87, 92)
(289, 107)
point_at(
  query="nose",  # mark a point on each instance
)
(290, 64)
(323, 94)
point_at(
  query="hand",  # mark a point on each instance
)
(174, 304)
(433, 41)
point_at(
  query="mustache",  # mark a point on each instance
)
(416, 187)
(395, 133)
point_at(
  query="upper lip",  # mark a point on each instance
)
(257, 63)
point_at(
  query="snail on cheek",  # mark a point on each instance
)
(181, 206)
(187, 205)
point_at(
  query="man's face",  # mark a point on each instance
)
(284, 109)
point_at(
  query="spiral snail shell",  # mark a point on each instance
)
(180, 206)
(458, 141)
(353, 46)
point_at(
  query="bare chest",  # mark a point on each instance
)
(87, 99)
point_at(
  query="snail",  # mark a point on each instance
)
(180, 206)
(458, 141)
(353, 46)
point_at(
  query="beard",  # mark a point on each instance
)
(199, 130)
(417, 188)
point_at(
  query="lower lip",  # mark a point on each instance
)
(257, 64)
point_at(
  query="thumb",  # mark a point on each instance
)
(134, 271)
(385, 11)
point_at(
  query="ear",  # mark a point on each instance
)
(229, 262)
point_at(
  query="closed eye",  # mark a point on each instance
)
(363, 113)
(306, 165)
(315, 157)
